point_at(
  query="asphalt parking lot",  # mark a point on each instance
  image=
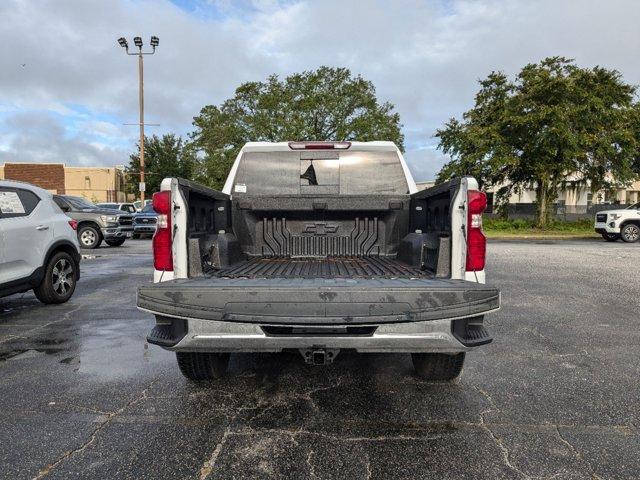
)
(555, 396)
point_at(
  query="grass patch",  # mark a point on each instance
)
(496, 227)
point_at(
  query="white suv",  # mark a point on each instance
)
(620, 223)
(38, 245)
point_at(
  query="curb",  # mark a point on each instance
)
(543, 237)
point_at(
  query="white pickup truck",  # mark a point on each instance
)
(621, 223)
(318, 247)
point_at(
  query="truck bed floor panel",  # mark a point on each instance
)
(328, 267)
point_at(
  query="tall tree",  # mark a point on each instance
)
(166, 156)
(325, 104)
(555, 125)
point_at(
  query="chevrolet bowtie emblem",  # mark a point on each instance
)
(320, 228)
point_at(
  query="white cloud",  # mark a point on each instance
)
(424, 56)
(103, 129)
(38, 137)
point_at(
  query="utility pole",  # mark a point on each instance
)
(138, 43)
(141, 100)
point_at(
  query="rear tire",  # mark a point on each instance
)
(89, 237)
(611, 237)
(59, 280)
(630, 233)
(438, 367)
(199, 366)
(115, 242)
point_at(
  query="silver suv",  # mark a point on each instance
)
(38, 247)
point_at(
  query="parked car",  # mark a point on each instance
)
(139, 206)
(621, 223)
(38, 246)
(125, 207)
(144, 223)
(318, 247)
(96, 224)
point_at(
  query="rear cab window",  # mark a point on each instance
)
(60, 203)
(17, 202)
(325, 172)
(79, 203)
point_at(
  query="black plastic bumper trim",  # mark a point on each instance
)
(470, 332)
(168, 334)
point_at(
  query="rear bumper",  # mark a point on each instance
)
(241, 315)
(415, 337)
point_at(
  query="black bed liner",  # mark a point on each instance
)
(327, 267)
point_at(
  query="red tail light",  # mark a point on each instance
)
(73, 224)
(319, 145)
(476, 241)
(162, 239)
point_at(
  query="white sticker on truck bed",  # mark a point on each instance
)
(10, 203)
(241, 188)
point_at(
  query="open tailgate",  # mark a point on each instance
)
(318, 301)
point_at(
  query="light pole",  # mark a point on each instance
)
(138, 43)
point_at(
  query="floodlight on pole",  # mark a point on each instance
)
(138, 43)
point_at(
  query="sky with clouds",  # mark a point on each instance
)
(66, 88)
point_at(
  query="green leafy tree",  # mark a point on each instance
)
(556, 125)
(166, 156)
(325, 104)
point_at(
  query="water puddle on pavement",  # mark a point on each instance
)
(28, 348)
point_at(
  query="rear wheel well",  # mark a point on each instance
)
(63, 247)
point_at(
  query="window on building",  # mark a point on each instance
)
(632, 197)
(87, 183)
(489, 203)
(561, 207)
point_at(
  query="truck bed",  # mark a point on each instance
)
(326, 267)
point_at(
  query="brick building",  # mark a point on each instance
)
(50, 176)
(96, 184)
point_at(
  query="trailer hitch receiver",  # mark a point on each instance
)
(319, 355)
